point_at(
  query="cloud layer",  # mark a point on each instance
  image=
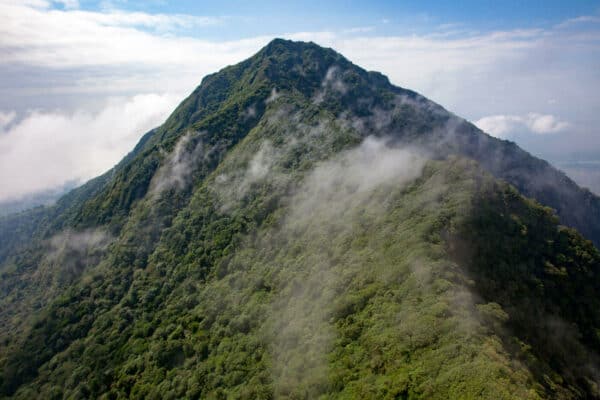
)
(46, 149)
(473, 73)
(141, 50)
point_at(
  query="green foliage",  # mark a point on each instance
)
(221, 285)
(547, 278)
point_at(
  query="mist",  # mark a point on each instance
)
(178, 165)
(333, 198)
(70, 252)
(350, 179)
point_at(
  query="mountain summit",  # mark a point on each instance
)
(302, 228)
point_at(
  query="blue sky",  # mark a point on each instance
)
(244, 18)
(315, 14)
(81, 81)
(269, 17)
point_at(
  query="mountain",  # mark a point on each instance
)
(301, 228)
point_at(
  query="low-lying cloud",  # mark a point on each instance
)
(232, 186)
(70, 252)
(332, 84)
(179, 164)
(339, 184)
(46, 149)
(329, 200)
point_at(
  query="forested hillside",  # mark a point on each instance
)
(301, 228)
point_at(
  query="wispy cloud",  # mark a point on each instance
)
(179, 164)
(583, 19)
(359, 29)
(330, 199)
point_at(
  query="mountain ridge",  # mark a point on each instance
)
(198, 104)
(213, 203)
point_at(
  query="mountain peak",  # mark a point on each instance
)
(260, 248)
(319, 78)
(280, 45)
(288, 62)
(290, 45)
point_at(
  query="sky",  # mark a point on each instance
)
(82, 81)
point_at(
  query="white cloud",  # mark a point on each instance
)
(27, 3)
(69, 39)
(583, 19)
(542, 124)
(499, 125)
(160, 22)
(46, 149)
(504, 126)
(111, 52)
(359, 29)
(338, 185)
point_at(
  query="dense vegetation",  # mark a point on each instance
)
(300, 228)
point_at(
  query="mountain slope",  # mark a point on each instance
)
(299, 211)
